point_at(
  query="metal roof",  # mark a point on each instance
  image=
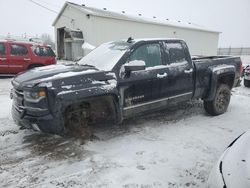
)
(123, 16)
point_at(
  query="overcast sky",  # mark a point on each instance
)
(231, 17)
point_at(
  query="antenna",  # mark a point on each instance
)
(130, 39)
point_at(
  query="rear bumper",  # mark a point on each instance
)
(45, 123)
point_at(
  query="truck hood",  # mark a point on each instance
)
(58, 75)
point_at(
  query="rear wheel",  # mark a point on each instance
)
(220, 102)
(246, 83)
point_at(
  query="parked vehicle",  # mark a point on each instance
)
(232, 169)
(121, 79)
(16, 56)
(247, 76)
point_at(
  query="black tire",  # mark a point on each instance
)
(220, 102)
(50, 129)
(246, 83)
(77, 121)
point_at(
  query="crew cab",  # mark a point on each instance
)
(17, 56)
(121, 79)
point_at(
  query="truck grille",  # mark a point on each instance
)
(18, 92)
(18, 99)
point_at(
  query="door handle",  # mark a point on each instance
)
(164, 75)
(26, 59)
(2, 59)
(189, 71)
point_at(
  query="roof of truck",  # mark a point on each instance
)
(129, 17)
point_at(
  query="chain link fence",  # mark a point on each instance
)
(234, 51)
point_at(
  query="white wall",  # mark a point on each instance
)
(97, 30)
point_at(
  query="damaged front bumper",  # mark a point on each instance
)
(37, 119)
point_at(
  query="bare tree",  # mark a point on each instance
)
(46, 38)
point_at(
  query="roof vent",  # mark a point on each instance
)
(83, 5)
(139, 14)
(104, 8)
(179, 21)
(123, 12)
(167, 19)
(189, 22)
(154, 16)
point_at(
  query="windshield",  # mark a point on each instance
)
(106, 55)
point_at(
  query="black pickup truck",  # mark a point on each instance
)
(121, 79)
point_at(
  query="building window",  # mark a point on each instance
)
(18, 50)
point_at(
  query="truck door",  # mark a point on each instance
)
(19, 58)
(143, 86)
(179, 84)
(3, 59)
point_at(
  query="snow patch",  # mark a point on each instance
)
(98, 82)
(111, 85)
(67, 87)
(46, 84)
(49, 67)
(177, 64)
(68, 74)
(136, 63)
(87, 46)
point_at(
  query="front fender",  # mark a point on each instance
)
(75, 95)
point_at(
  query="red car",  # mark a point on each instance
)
(16, 56)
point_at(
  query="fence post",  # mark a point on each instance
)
(229, 50)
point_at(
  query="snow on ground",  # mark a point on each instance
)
(173, 148)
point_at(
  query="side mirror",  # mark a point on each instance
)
(135, 65)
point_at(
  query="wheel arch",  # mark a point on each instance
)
(223, 75)
(105, 106)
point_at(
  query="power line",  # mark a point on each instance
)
(52, 4)
(38, 4)
(49, 9)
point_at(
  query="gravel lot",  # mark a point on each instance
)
(173, 148)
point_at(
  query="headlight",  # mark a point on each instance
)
(34, 96)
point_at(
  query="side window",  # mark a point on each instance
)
(44, 51)
(176, 53)
(18, 50)
(2, 49)
(149, 53)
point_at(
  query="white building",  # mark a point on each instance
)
(76, 24)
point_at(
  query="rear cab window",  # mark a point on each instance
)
(43, 51)
(149, 53)
(18, 50)
(2, 49)
(176, 53)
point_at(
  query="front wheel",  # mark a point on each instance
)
(220, 102)
(77, 121)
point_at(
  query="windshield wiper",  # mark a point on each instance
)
(86, 65)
